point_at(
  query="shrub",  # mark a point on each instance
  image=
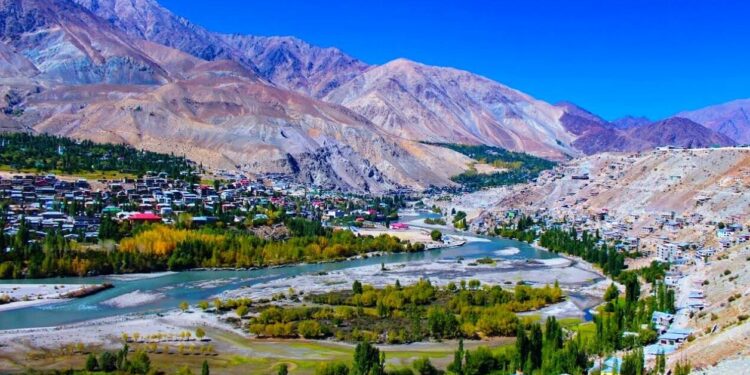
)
(332, 368)
(423, 366)
(309, 329)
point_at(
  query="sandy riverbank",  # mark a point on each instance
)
(107, 332)
(27, 295)
(135, 298)
(138, 276)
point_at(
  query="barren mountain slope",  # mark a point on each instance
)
(721, 329)
(146, 19)
(711, 182)
(630, 121)
(425, 103)
(223, 121)
(68, 44)
(405, 99)
(676, 131)
(287, 62)
(14, 65)
(296, 65)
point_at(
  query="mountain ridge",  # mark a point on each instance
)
(131, 71)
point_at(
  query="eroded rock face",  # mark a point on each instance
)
(340, 166)
(67, 44)
(284, 61)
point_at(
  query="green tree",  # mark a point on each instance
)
(107, 362)
(122, 357)
(523, 346)
(612, 293)
(480, 361)
(241, 310)
(436, 235)
(203, 305)
(283, 369)
(204, 368)
(91, 363)
(108, 229)
(457, 366)
(367, 360)
(140, 364)
(682, 368)
(660, 365)
(632, 363)
(632, 288)
(535, 346)
(357, 287)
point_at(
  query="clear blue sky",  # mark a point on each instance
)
(613, 57)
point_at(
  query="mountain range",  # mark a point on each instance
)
(130, 71)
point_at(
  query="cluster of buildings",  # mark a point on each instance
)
(75, 208)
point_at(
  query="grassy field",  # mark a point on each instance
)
(241, 355)
(303, 356)
(587, 330)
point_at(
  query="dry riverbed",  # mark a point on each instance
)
(571, 276)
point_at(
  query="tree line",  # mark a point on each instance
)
(160, 247)
(46, 153)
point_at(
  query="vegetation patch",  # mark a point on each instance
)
(46, 153)
(397, 314)
(518, 167)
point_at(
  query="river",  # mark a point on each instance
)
(194, 286)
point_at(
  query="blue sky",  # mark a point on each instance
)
(613, 57)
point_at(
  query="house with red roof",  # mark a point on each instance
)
(144, 217)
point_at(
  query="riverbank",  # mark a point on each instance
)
(418, 234)
(571, 276)
(27, 295)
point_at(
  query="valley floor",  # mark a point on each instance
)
(232, 351)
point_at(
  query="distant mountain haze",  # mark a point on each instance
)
(731, 119)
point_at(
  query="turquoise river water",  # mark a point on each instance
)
(194, 286)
